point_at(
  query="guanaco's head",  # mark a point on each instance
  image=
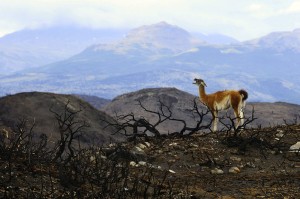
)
(199, 82)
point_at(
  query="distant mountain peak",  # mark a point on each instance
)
(163, 23)
(166, 25)
(279, 41)
(162, 35)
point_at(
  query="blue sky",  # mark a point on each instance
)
(242, 19)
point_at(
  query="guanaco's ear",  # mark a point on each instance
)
(203, 83)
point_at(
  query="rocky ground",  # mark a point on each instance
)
(255, 163)
(259, 164)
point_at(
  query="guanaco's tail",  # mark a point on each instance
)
(244, 94)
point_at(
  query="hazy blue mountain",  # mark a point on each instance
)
(141, 46)
(36, 47)
(163, 36)
(215, 38)
(31, 48)
(260, 62)
(279, 41)
(150, 56)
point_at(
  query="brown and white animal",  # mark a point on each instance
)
(223, 100)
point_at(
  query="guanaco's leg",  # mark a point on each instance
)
(215, 120)
(237, 114)
(237, 105)
(242, 115)
(242, 109)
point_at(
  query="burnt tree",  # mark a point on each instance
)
(132, 126)
(69, 128)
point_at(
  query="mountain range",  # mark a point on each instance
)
(164, 55)
(31, 48)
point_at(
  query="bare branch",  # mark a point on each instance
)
(131, 126)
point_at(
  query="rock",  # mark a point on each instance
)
(234, 170)
(160, 151)
(171, 161)
(147, 144)
(171, 171)
(237, 159)
(142, 163)
(92, 159)
(141, 146)
(257, 160)
(216, 171)
(111, 145)
(145, 164)
(138, 151)
(279, 135)
(295, 147)
(273, 152)
(194, 145)
(250, 165)
(132, 163)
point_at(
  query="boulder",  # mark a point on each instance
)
(295, 147)
(234, 170)
(216, 171)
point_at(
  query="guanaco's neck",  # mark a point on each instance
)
(202, 94)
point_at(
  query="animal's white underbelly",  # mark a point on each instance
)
(224, 104)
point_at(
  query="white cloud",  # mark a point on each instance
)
(260, 11)
(256, 7)
(241, 19)
(294, 7)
